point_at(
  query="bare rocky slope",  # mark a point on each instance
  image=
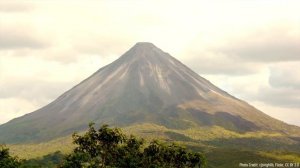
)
(145, 85)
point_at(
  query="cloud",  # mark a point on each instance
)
(14, 107)
(101, 45)
(284, 86)
(14, 37)
(286, 97)
(272, 44)
(33, 89)
(219, 64)
(244, 53)
(288, 115)
(15, 6)
(285, 76)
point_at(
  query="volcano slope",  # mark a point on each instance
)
(150, 93)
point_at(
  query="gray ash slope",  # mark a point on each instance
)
(145, 85)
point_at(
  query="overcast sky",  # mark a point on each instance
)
(249, 48)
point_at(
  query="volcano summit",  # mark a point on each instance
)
(145, 85)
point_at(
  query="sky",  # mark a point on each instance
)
(249, 48)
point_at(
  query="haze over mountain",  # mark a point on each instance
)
(145, 85)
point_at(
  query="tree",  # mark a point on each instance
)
(159, 154)
(109, 147)
(7, 161)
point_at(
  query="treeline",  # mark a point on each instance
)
(111, 148)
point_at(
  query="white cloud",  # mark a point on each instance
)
(14, 37)
(12, 107)
(285, 75)
(285, 97)
(15, 6)
(272, 44)
(214, 62)
(288, 115)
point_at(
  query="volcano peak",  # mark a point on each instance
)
(144, 44)
(143, 51)
(144, 47)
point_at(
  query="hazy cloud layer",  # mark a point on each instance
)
(280, 97)
(219, 64)
(33, 90)
(269, 45)
(15, 6)
(248, 48)
(16, 38)
(285, 76)
(284, 87)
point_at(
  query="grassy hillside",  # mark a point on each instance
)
(223, 148)
(231, 158)
(29, 151)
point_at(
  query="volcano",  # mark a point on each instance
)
(145, 85)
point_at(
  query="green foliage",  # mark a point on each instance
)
(47, 161)
(230, 158)
(7, 161)
(282, 155)
(109, 147)
(171, 155)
